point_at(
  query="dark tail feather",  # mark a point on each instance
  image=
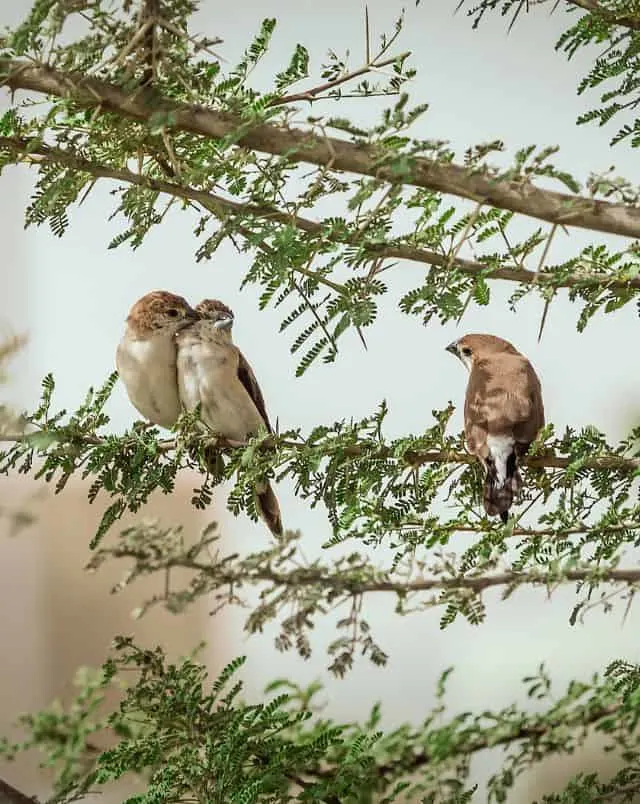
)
(499, 498)
(265, 500)
(268, 508)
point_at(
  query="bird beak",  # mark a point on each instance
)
(224, 323)
(453, 348)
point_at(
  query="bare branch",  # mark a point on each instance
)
(314, 93)
(222, 207)
(304, 146)
(341, 582)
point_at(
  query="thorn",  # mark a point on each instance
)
(366, 34)
(544, 318)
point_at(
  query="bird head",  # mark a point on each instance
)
(472, 348)
(217, 312)
(160, 312)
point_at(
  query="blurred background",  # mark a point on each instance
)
(71, 296)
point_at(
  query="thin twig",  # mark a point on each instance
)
(312, 94)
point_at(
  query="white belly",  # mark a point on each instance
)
(208, 377)
(148, 370)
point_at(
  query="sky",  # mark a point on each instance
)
(72, 295)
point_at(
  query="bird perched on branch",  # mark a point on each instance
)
(503, 413)
(213, 373)
(146, 355)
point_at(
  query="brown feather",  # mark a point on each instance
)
(268, 507)
(265, 499)
(503, 402)
(248, 379)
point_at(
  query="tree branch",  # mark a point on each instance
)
(149, 15)
(342, 583)
(313, 93)
(352, 581)
(9, 795)
(223, 207)
(625, 20)
(609, 462)
(304, 146)
(526, 732)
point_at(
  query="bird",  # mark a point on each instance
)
(213, 373)
(503, 413)
(146, 356)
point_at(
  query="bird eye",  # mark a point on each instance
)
(466, 351)
(172, 312)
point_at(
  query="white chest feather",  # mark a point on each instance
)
(148, 370)
(208, 376)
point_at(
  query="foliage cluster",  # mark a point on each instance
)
(133, 98)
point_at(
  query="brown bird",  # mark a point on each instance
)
(213, 373)
(146, 355)
(503, 413)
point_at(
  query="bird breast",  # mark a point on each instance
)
(208, 376)
(147, 368)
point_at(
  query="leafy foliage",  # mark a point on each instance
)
(189, 739)
(376, 491)
(613, 26)
(324, 273)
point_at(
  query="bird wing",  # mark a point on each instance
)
(527, 430)
(503, 397)
(248, 379)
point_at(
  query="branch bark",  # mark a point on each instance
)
(303, 146)
(149, 14)
(342, 582)
(413, 457)
(624, 20)
(223, 207)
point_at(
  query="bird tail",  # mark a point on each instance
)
(502, 482)
(268, 507)
(265, 499)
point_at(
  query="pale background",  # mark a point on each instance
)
(71, 296)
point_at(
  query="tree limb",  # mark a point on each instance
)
(613, 17)
(354, 584)
(526, 732)
(303, 146)
(9, 795)
(609, 462)
(149, 15)
(223, 207)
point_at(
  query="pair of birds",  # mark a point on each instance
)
(173, 356)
